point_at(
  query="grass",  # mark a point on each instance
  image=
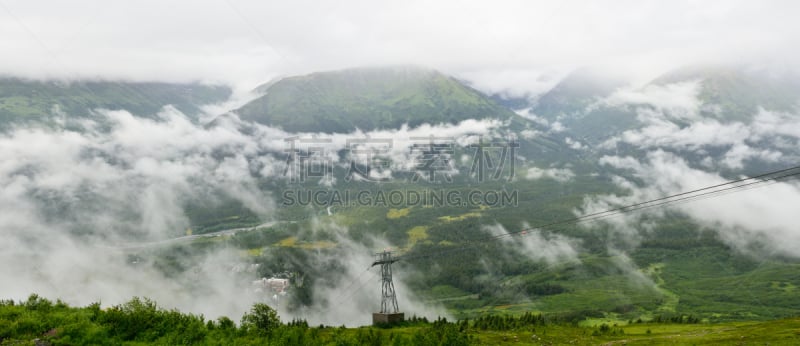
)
(777, 332)
(417, 233)
(670, 301)
(292, 242)
(397, 213)
(367, 99)
(253, 252)
(676, 270)
(461, 217)
(25, 100)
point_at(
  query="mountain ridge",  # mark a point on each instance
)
(368, 98)
(25, 100)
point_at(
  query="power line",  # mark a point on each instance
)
(760, 180)
(346, 295)
(698, 190)
(714, 193)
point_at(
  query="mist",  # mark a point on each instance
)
(79, 193)
(678, 156)
(516, 48)
(75, 200)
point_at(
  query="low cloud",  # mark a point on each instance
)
(352, 295)
(574, 144)
(757, 221)
(73, 197)
(677, 100)
(538, 245)
(671, 119)
(561, 175)
(248, 42)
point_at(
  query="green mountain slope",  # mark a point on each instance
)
(678, 269)
(575, 92)
(738, 92)
(726, 94)
(26, 100)
(573, 103)
(370, 98)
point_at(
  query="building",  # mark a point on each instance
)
(273, 285)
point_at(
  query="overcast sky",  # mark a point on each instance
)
(515, 45)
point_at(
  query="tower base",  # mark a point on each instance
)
(385, 318)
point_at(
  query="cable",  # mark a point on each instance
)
(704, 195)
(641, 205)
(688, 196)
(697, 190)
(358, 289)
(357, 279)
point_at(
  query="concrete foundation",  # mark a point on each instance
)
(382, 318)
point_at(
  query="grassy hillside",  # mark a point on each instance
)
(676, 270)
(141, 322)
(573, 103)
(727, 94)
(27, 100)
(738, 93)
(370, 98)
(575, 92)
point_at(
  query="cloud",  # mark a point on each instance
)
(670, 120)
(538, 245)
(529, 134)
(353, 294)
(758, 221)
(396, 147)
(71, 198)
(556, 127)
(695, 136)
(508, 48)
(561, 175)
(677, 100)
(629, 268)
(574, 144)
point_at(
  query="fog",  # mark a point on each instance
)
(72, 196)
(513, 47)
(679, 156)
(74, 200)
(538, 245)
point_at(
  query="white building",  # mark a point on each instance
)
(275, 285)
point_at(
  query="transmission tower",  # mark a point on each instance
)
(389, 310)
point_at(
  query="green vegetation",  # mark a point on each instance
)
(141, 322)
(24, 101)
(680, 283)
(737, 94)
(677, 268)
(367, 99)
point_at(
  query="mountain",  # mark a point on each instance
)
(576, 91)
(660, 266)
(724, 93)
(573, 103)
(368, 99)
(738, 92)
(24, 100)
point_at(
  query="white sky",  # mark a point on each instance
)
(513, 45)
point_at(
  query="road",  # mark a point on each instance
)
(186, 238)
